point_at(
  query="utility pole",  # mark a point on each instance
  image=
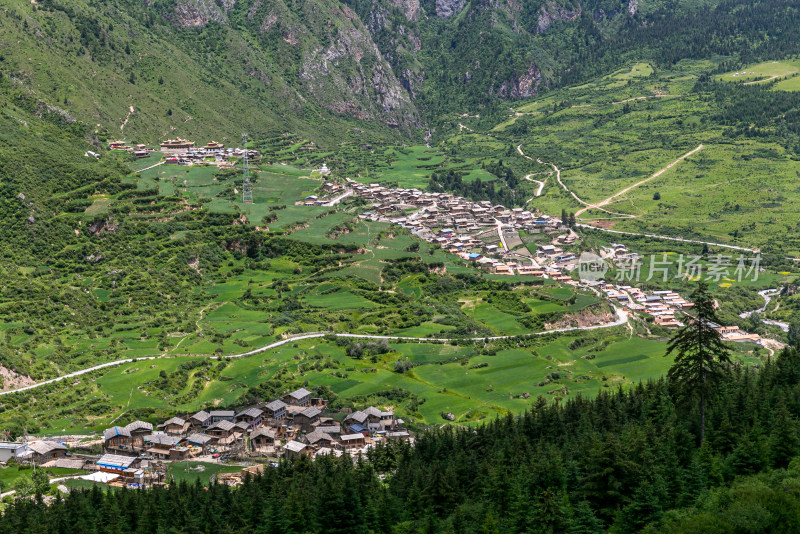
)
(247, 188)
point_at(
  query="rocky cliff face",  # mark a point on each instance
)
(552, 12)
(324, 48)
(410, 8)
(522, 86)
(201, 12)
(448, 8)
(351, 75)
(400, 38)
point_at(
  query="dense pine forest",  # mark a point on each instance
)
(626, 461)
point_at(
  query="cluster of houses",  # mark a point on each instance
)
(139, 151)
(184, 152)
(293, 425)
(661, 305)
(476, 231)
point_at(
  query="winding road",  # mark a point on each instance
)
(557, 171)
(528, 177)
(538, 192)
(621, 318)
(767, 295)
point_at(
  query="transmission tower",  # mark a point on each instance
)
(247, 188)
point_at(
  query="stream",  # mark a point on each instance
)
(767, 295)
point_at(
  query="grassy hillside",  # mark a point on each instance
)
(623, 128)
(146, 71)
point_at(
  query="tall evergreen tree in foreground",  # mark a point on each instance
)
(700, 355)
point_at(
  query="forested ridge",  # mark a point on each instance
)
(625, 461)
(315, 67)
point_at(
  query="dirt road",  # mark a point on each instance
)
(608, 201)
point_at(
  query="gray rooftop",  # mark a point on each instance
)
(199, 438)
(275, 405)
(222, 425)
(310, 412)
(250, 412)
(43, 447)
(174, 421)
(162, 439)
(115, 460)
(295, 446)
(139, 425)
(115, 431)
(299, 393)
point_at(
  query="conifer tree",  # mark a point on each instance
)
(783, 440)
(700, 355)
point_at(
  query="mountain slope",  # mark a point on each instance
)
(198, 68)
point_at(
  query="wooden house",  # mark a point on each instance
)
(199, 420)
(159, 445)
(300, 397)
(43, 451)
(294, 449)
(116, 464)
(262, 438)
(275, 411)
(319, 439)
(356, 418)
(353, 441)
(118, 439)
(241, 427)
(198, 439)
(333, 430)
(221, 430)
(175, 426)
(251, 416)
(305, 420)
(398, 435)
(139, 428)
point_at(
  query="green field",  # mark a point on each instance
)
(765, 72)
(616, 131)
(465, 380)
(183, 471)
(10, 474)
(412, 166)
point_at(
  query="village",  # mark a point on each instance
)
(184, 152)
(479, 232)
(295, 425)
(489, 236)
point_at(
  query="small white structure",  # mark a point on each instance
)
(10, 449)
(100, 476)
(324, 170)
